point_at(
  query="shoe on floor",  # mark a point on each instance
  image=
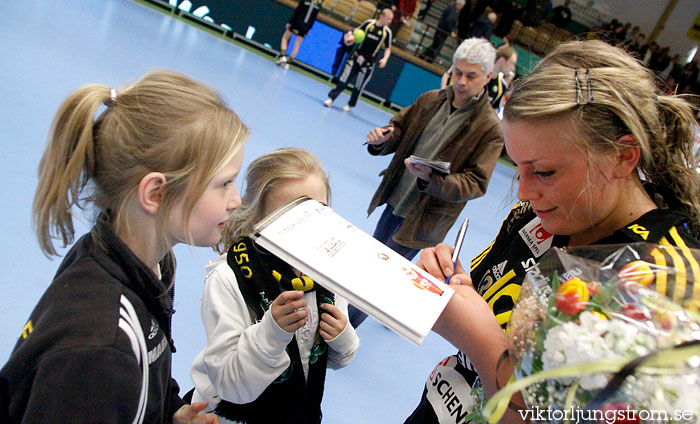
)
(282, 59)
(328, 102)
(347, 108)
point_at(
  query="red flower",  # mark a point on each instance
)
(572, 296)
(633, 312)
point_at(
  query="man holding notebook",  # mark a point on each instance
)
(455, 125)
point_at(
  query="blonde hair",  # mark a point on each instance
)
(264, 174)
(606, 94)
(165, 122)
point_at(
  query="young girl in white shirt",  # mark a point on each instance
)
(271, 331)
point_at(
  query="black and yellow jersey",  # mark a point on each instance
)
(376, 38)
(499, 270)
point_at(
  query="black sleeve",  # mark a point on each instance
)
(176, 401)
(85, 385)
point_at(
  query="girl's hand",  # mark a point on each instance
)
(191, 414)
(438, 262)
(289, 310)
(333, 322)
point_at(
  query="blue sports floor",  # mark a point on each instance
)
(48, 48)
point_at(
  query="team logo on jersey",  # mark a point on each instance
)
(498, 270)
(154, 329)
(536, 237)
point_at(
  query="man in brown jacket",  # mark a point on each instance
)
(457, 125)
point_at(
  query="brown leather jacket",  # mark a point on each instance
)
(473, 154)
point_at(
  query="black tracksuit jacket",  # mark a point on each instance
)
(97, 347)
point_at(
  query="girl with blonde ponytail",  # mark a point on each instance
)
(158, 167)
(603, 158)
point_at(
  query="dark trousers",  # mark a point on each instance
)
(350, 73)
(387, 226)
(431, 52)
(340, 53)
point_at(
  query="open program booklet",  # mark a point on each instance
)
(437, 165)
(344, 259)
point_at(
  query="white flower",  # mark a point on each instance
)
(592, 339)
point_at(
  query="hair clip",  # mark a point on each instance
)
(583, 95)
(113, 93)
(589, 86)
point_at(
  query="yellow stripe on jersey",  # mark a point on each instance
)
(661, 272)
(679, 287)
(511, 290)
(694, 266)
(480, 257)
(498, 284)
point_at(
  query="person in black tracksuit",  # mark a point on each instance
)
(359, 66)
(67, 345)
(98, 345)
(602, 159)
(299, 24)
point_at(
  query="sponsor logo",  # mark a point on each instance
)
(154, 329)
(155, 353)
(449, 393)
(641, 231)
(498, 270)
(537, 239)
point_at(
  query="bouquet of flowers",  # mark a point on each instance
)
(607, 334)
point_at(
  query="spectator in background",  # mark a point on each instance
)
(617, 36)
(426, 8)
(479, 9)
(299, 24)
(638, 47)
(660, 61)
(534, 12)
(510, 11)
(676, 67)
(652, 50)
(688, 77)
(631, 35)
(483, 28)
(403, 13)
(503, 72)
(445, 27)
(464, 21)
(455, 125)
(561, 15)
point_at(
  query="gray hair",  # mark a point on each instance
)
(476, 51)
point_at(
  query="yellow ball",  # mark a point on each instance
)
(359, 35)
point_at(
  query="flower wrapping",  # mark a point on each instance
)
(607, 334)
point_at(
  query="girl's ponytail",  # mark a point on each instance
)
(66, 166)
(673, 165)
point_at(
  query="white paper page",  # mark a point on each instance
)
(345, 259)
